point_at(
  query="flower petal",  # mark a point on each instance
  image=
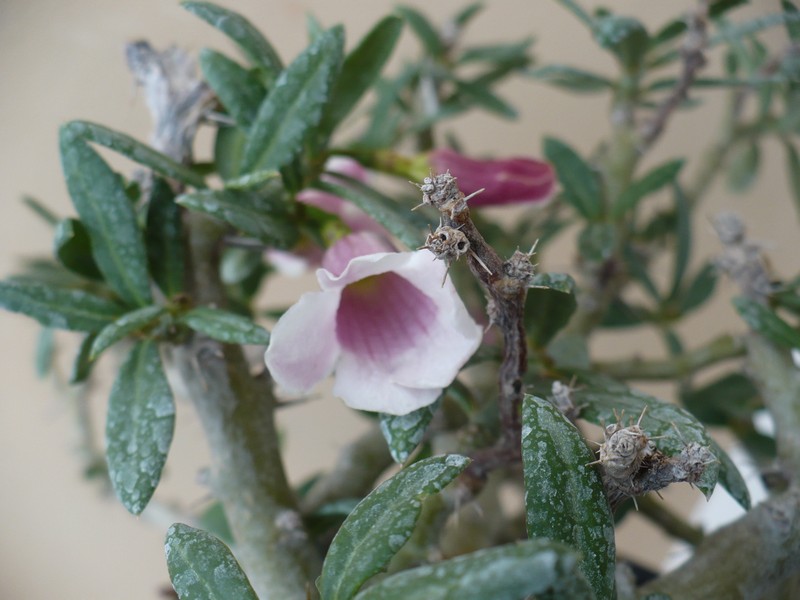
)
(303, 348)
(363, 386)
(351, 246)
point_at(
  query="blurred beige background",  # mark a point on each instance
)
(59, 538)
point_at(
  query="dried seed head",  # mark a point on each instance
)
(624, 449)
(447, 243)
(441, 191)
(741, 259)
(729, 227)
(519, 267)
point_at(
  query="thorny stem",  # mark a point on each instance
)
(722, 348)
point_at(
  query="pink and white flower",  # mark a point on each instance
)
(383, 322)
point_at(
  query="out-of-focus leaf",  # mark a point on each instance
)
(423, 29)
(496, 52)
(104, 209)
(700, 289)
(733, 396)
(651, 182)
(793, 25)
(255, 213)
(577, 10)
(258, 50)
(730, 477)
(387, 112)
(623, 314)
(225, 326)
(201, 567)
(229, 151)
(550, 304)
(164, 239)
(743, 167)
(466, 14)
(381, 523)
(293, 108)
(683, 240)
(360, 69)
(39, 209)
(239, 90)
(506, 572)
(130, 148)
(564, 496)
(572, 79)
(215, 521)
(45, 352)
(639, 272)
(581, 186)
(139, 426)
(127, 324)
(397, 219)
(793, 172)
(767, 323)
(58, 307)
(82, 364)
(597, 241)
(478, 95)
(625, 37)
(570, 352)
(73, 248)
(676, 28)
(403, 433)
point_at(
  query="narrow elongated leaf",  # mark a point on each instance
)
(255, 46)
(479, 95)
(466, 14)
(398, 220)
(581, 187)
(653, 181)
(82, 364)
(229, 151)
(294, 106)
(360, 70)
(507, 572)
(683, 240)
(164, 239)
(381, 523)
(132, 149)
(572, 79)
(423, 29)
(767, 323)
(793, 172)
(576, 9)
(743, 167)
(403, 433)
(42, 211)
(58, 307)
(699, 289)
(202, 567)
(251, 212)
(225, 326)
(74, 249)
(564, 497)
(131, 322)
(792, 26)
(109, 218)
(549, 306)
(45, 351)
(139, 426)
(730, 477)
(239, 90)
(625, 37)
(498, 53)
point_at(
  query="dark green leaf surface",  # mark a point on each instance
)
(239, 90)
(767, 323)
(564, 497)
(653, 181)
(743, 166)
(549, 306)
(733, 396)
(479, 95)
(403, 433)
(131, 148)
(229, 151)
(201, 567)
(572, 79)
(74, 249)
(683, 240)
(507, 572)
(109, 218)
(423, 29)
(82, 364)
(255, 46)
(254, 213)
(57, 307)
(624, 37)
(131, 322)
(360, 70)
(225, 326)
(397, 219)
(581, 187)
(139, 426)
(466, 14)
(730, 477)
(381, 523)
(294, 105)
(164, 239)
(793, 172)
(700, 288)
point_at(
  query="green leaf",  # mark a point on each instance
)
(403, 433)
(564, 497)
(792, 26)
(627, 38)
(793, 172)
(259, 214)
(360, 70)
(396, 218)
(73, 249)
(42, 211)
(294, 106)
(572, 79)
(225, 326)
(254, 45)
(731, 397)
(165, 240)
(581, 186)
(423, 29)
(700, 289)
(675, 28)
(624, 314)
(683, 240)
(132, 149)
(202, 567)
(730, 477)
(139, 426)
(597, 241)
(499, 53)
(466, 14)
(507, 572)
(743, 167)
(577, 10)
(45, 352)
(313, 27)
(215, 521)
(381, 523)
(105, 211)
(550, 304)
(651, 182)
(239, 90)
(767, 323)
(479, 95)
(229, 151)
(82, 365)
(132, 322)
(59, 307)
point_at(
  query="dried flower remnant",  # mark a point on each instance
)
(742, 260)
(383, 323)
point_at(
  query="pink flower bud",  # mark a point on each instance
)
(506, 181)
